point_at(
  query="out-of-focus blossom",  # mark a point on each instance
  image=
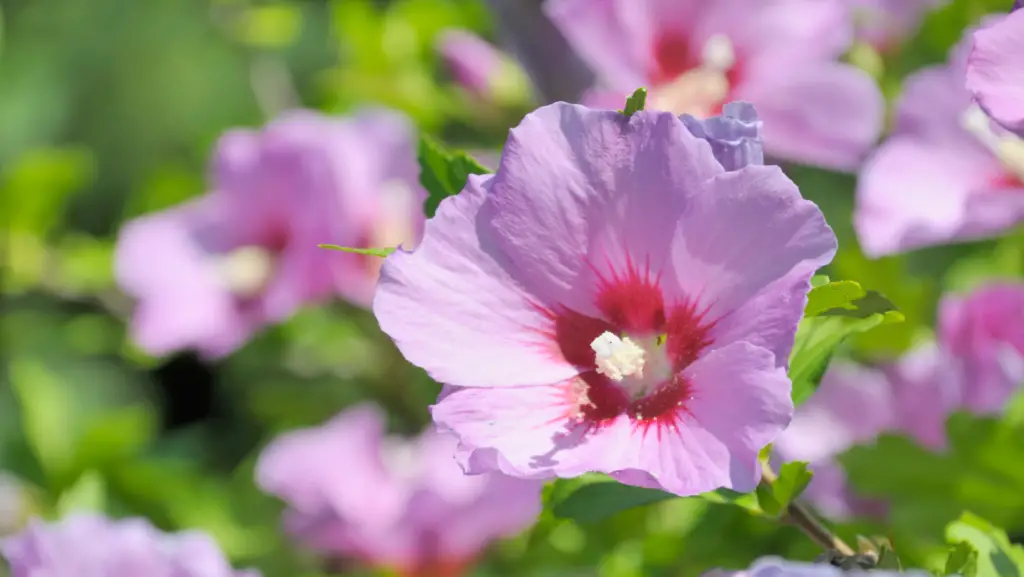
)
(210, 272)
(556, 72)
(913, 396)
(694, 56)
(611, 300)
(778, 567)
(948, 173)
(398, 503)
(995, 70)
(986, 330)
(976, 365)
(884, 23)
(88, 545)
(735, 136)
(481, 69)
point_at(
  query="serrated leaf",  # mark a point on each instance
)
(996, 556)
(962, 560)
(381, 252)
(834, 312)
(635, 102)
(443, 173)
(600, 500)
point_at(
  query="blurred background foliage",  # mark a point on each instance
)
(108, 110)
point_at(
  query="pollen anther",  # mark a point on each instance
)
(617, 358)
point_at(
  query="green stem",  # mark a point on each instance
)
(802, 517)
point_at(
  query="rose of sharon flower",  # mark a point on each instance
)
(778, 567)
(695, 55)
(210, 272)
(995, 70)
(88, 545)
(946, 174)
(985, 329)
(610, 300)
(399, 503)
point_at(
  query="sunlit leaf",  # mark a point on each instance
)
(443, 173)
(995, 555)
(635, 102)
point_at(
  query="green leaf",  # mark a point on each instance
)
(89, 493)
(996, 556)
(962, 560)
(775, 497)
(381, 252)
(600, 500)
(834, 312)
(635, 102)
(981, 470)
(819, 280)
(746, 501)
(888, 559)
(443, 173)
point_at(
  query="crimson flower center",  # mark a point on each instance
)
(633, 355)
(689, 83)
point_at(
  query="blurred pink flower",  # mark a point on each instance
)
(695, 55)
(613, 300)
(986, 329)
(885, 23)
(90, 545)
(476, 65)
(976, 365)
(403, 504)
(209, 273)
(947, 173)
(995, 70)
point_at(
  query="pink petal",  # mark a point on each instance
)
(913, 193)
(995, 70)
(827, 115)
(741, 402)
(580, 188)
(455, 308)
(528, 432)
(772, 233)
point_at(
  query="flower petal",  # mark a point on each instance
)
(828, 115)
(995, 71)
(454, 306)
(741, 402)
(526, 432)
(580, 188)
(748, 229)
(913, 193)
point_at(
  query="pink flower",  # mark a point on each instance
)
(480, 68)
(946, 174)
(986, 330)
(694, 56)
(610, 300)
(209, 273)
(88, 545)
(995, 70)
(884, 23)
(398, 503)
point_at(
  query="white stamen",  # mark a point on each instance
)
(247, 270)
(1007, 147)
(617, 358)
(718, 53)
